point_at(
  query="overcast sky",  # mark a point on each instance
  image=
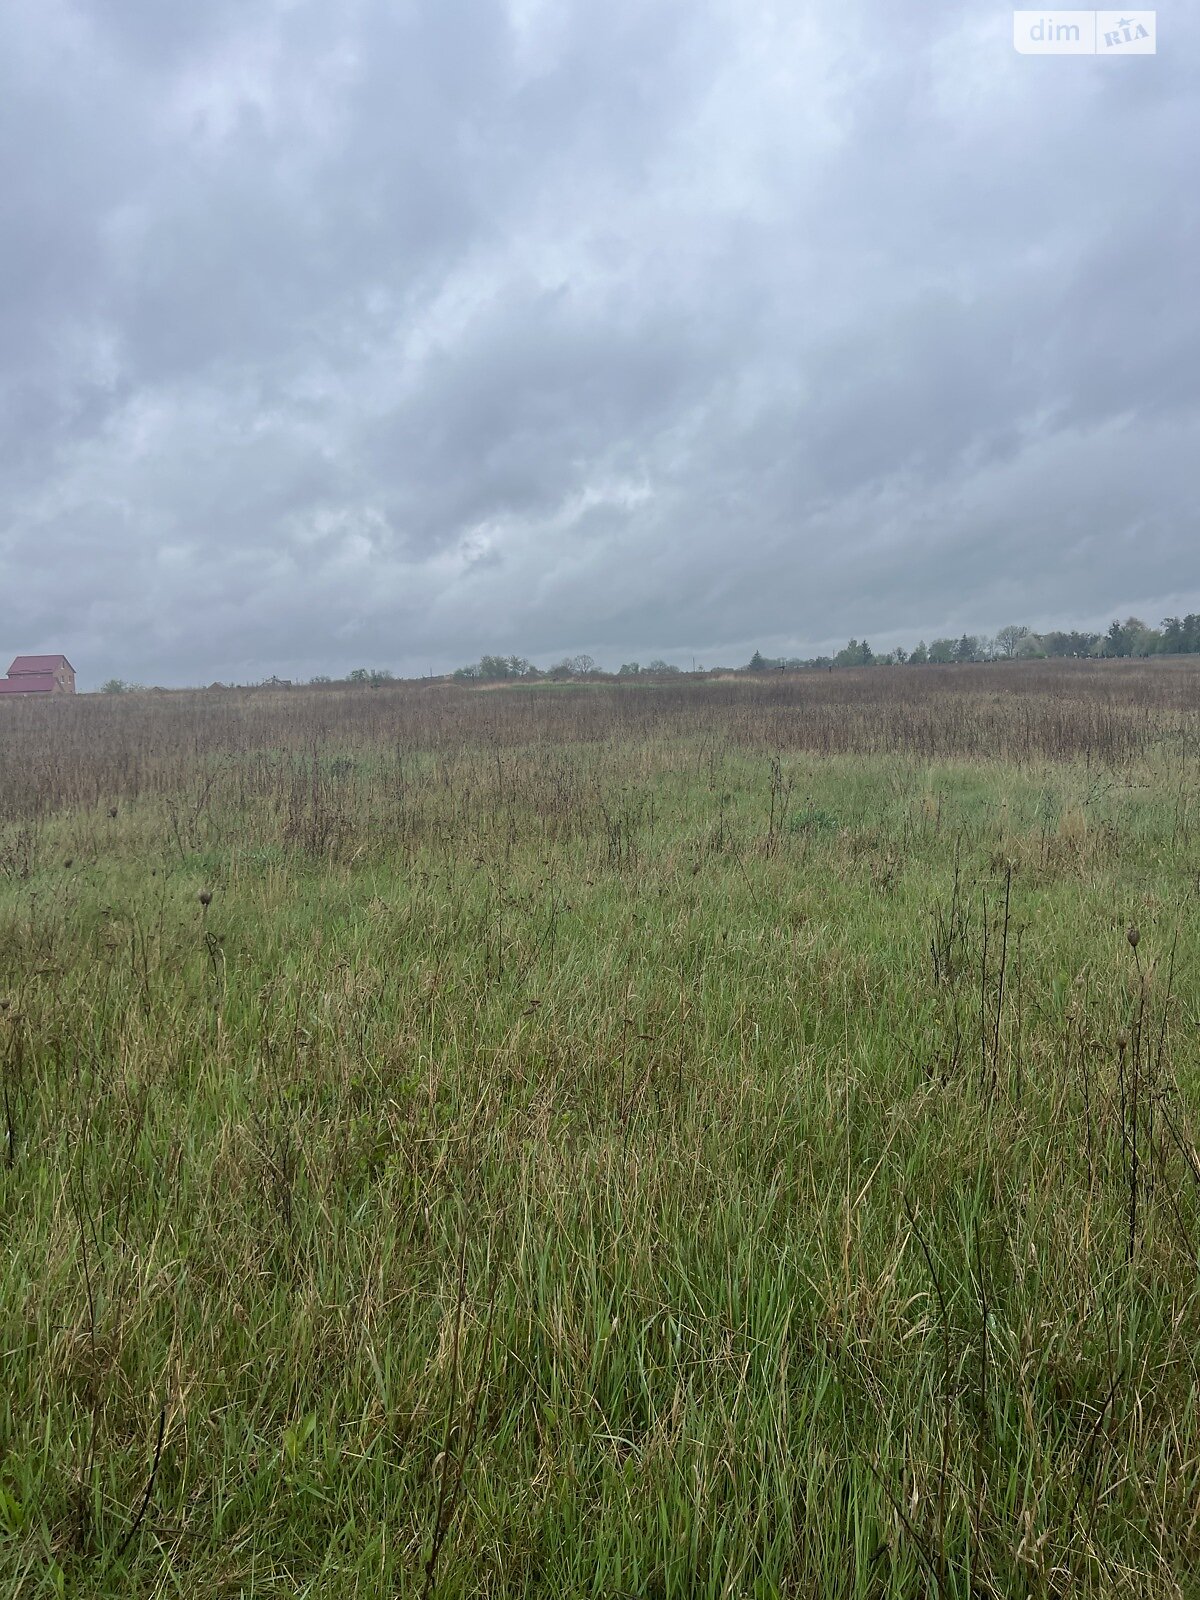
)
(391, 332)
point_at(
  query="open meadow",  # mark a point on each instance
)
(686, 1139)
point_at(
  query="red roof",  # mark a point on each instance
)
(24, 664)
(28, 683)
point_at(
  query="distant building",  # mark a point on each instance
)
(39, 675)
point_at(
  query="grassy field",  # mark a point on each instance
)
(675, 1140)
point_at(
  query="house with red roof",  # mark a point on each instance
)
(39, 675)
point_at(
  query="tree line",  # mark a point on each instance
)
(498, 669)
(1177, 636)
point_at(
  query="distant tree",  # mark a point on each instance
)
(967, 648)
(629, 669)
(569, 667)
(115, 686)
(373, 676)
(1057, 643)
(494, 669)
(758, 662)
(1122, 637)
(919, 656)
(1181, 635)
(942, 651)
(662, 667)
(1131, 638)
(1119, 641)
(321, 677)
(1008, 639)
(857, 653)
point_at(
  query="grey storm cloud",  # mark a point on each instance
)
(392, 333)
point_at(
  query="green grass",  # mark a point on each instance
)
(566, 1170)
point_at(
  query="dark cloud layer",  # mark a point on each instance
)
(391, 333)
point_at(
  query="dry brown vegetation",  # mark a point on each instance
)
(76, 752)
